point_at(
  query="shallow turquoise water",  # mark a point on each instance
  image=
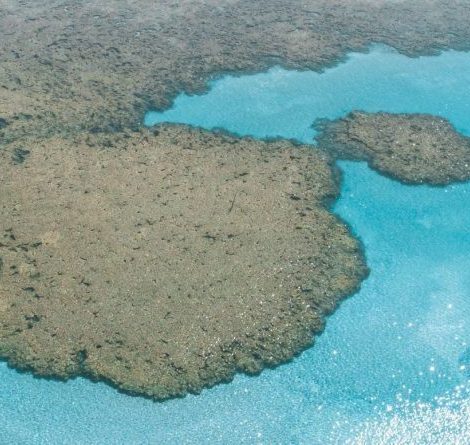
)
(392, 358)
(285, 103)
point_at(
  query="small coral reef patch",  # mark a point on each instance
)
(170, 261)
(413, 148)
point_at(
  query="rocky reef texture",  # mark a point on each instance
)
(413, 148)
(68, 66)
(169, 261)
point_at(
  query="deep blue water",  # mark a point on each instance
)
(393, 359)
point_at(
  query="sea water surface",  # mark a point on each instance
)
(393, 364)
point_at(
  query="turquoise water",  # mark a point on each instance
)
(285, 103)
(392, 360)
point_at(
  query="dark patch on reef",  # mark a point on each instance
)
(170, 262)
(19, 155)
(413, 148)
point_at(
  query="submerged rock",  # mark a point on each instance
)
(413, 148)
(171, 261)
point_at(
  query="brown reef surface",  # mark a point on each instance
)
(167, 262)
(413, 148)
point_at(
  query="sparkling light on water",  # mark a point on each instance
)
(445, 422)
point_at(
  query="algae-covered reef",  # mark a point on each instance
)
(170, 261)
(413, 148)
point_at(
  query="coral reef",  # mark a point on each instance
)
(169, 261)
(69, 66)
(413, 148)
(166, 262)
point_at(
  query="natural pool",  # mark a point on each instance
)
(392, 358)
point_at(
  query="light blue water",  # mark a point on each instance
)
(392, 358)
(285, 103)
